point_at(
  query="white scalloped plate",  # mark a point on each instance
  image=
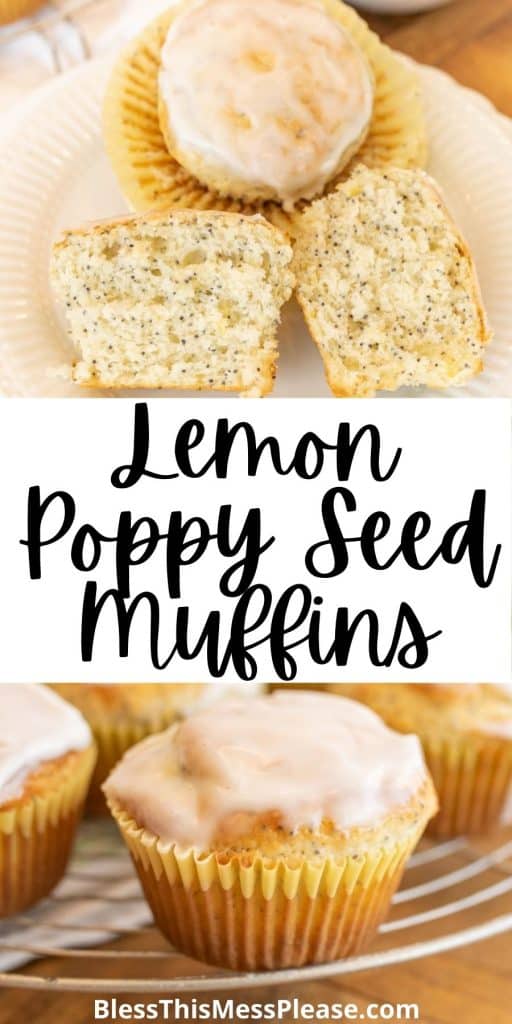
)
(58, 176)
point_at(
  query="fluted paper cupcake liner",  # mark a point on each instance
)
(150, 177)
(473, 777)
(262, 914)
(36, 836)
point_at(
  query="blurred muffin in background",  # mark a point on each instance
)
(46, 761)
(121, 714)
(11, 10)
(466, 733)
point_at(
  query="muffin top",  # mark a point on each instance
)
(438, 710)
(301, 758)
(110, 702)
(37, 726)
(271, 94)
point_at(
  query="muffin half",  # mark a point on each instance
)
(388, 286)
(272, 836)
(183, 299)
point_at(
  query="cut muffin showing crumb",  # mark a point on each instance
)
(175, 300)
(388, 286)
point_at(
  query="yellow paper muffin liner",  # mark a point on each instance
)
(36, 836)
(473, 778)
(150, 177)
(11, 10)
(259, 914)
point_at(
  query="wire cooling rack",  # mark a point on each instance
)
(95, 933)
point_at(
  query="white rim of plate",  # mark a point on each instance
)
(83, 130)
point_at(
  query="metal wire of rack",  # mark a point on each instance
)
(454, 893)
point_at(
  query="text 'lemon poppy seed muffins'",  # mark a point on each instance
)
(272, 835)
(122, 714)
(466, 733)
(46, 760)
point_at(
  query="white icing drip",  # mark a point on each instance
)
(36, 726)
(273, 93)
(307, 755)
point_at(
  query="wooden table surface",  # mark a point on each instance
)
(472, 40)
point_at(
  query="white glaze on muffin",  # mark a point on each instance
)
(270, 99)
(37, 726)
(308, 757)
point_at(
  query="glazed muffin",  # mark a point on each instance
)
(224, 104)
(466, 733)
(11, 10)
(279, 102)
(46, 760)
(272, 836)
(121, 714)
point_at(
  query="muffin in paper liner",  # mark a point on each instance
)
(11, 10)
(150, 177)
(121, 715)
(248, 912)
(473, 779)
(466, 734)
(37, 829)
